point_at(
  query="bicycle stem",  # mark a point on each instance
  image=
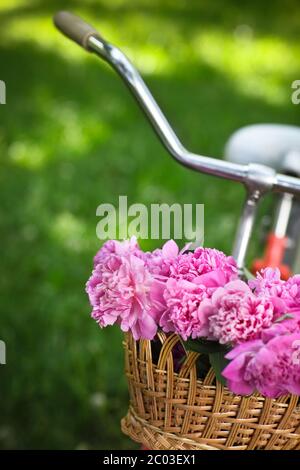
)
(258, 179)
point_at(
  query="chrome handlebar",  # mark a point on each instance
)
(88, 37)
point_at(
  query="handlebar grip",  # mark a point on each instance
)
(74, 28)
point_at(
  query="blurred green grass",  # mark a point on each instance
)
(70, 139)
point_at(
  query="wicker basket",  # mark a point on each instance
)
(171, 410)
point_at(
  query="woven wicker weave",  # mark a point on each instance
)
(176, 411)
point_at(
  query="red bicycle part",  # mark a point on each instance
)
(273, 256)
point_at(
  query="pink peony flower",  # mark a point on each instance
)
(206, 268)
(202, 261)
(234, 314)
(291, 294)
(118, 248)
(267, 282)
(119, 291)
(272, 368)
(182, 314)
(285, 294)
(158, 261)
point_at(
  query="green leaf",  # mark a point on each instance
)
(218, 363)
(248, 275)
(286, 316)
(204, 346)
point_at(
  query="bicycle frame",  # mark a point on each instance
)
(257, 179)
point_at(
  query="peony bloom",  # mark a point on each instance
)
(234, 314)
(271, 368)
(202, 261)
(182, 313)
(267, 282)
(285, 295)
(119, 291)
(208, 269)
(291, 294)
(118, 248)
(158, 261)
